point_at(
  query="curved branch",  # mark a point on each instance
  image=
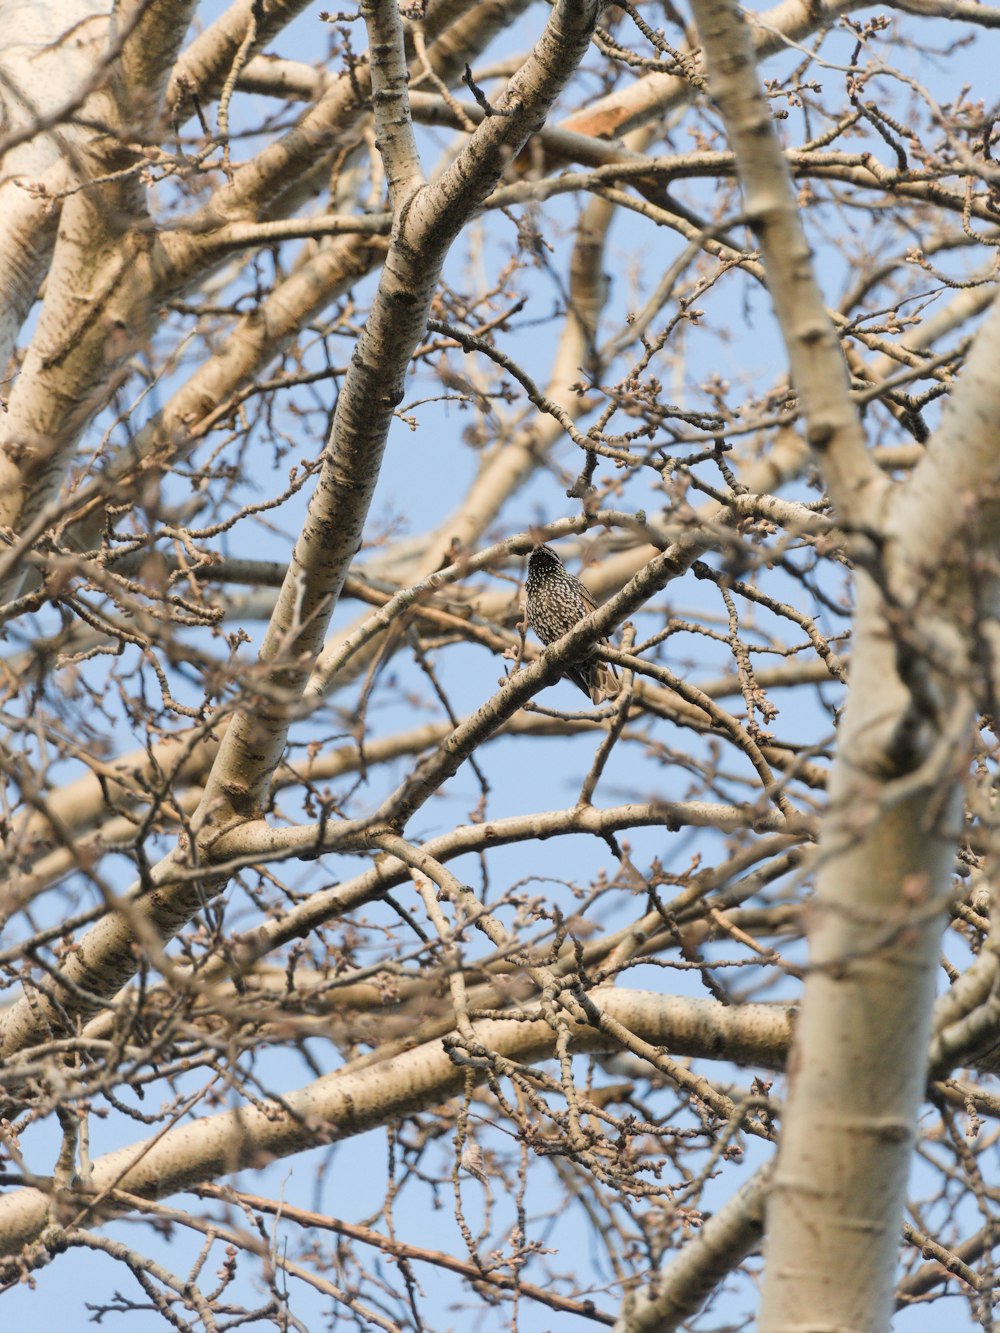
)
(339, 1106)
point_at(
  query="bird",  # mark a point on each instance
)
(556, 601)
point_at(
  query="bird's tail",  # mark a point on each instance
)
(604, 682)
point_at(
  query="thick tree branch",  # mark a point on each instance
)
(339, 1106)
(819, 373)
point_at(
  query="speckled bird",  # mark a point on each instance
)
(556, 601)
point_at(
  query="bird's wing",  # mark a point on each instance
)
(587, 596)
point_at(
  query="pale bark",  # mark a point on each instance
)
(203, 67)
(341, 1105)
(703, 517)
(858, 1069)
(818, 370)
(722, 1243)
(58, 395)
(856, 1075)
(103, 275)
(427, 223)
(48, 62)
(621, 111)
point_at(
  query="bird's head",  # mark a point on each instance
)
(543, 557)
